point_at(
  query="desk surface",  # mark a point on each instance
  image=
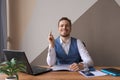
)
(62, 75)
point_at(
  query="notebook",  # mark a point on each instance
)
(111, 71)
(21, 56)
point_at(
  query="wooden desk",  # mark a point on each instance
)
(62, 75)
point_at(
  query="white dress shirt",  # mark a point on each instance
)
(51, 57)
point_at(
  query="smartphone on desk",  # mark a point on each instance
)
(87, 73)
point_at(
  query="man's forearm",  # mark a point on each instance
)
(51, 57)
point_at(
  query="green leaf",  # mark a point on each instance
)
(12, 67)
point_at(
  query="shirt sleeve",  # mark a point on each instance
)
(87, 60)
(51, 56)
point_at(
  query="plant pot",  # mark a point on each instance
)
(10, 78)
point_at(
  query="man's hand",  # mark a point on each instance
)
(51, 40)
(76, 67)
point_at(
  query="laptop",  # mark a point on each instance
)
(21, 56)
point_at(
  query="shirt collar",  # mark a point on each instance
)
(68, 41)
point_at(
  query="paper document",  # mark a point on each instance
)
(60, 67)
(92, 73)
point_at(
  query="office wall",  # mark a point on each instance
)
(94, 21)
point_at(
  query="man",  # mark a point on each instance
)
(66, 49)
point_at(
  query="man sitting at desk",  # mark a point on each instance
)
(66, 49)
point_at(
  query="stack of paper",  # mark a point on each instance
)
(60, 67)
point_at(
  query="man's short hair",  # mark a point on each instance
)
(65, 18)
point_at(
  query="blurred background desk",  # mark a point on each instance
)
(62, 75)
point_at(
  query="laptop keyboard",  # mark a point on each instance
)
(37, 69)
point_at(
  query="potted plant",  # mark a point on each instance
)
(11, 68)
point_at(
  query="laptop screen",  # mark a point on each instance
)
(20, 56)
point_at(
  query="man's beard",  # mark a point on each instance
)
(67, 35)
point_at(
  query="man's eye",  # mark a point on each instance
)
(61, 25)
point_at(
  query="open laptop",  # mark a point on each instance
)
(21, 56)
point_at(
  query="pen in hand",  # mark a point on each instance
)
(51, 39)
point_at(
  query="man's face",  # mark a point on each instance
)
(64, 28)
